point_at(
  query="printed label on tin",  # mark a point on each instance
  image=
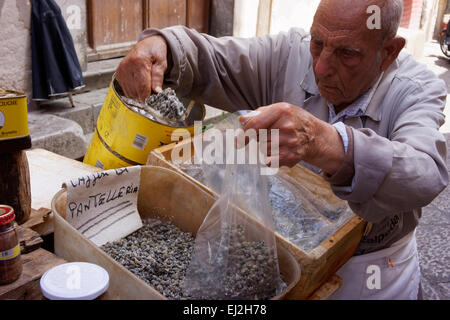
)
(13, 118)
(10, 254)
(140, 141)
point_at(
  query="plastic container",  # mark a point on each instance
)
(74, 281)
(10, 260)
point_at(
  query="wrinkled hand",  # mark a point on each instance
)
(301, 136)
(142, 70)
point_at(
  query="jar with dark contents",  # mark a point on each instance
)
(10, 260)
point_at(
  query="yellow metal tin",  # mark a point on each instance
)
(125, 137)
(13, 115)
(100, 156)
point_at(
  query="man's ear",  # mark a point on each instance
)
(391, 50)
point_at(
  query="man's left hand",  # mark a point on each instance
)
(302, 136)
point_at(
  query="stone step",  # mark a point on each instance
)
(58, 135)
(63, 129)
(86, 110)
(99, 74)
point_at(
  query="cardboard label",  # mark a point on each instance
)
(103, 206)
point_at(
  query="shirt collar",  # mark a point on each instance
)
(309, 82)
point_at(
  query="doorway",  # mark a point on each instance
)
(115, 25)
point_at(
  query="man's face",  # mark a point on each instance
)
(346, 54)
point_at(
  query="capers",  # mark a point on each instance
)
(158, 253)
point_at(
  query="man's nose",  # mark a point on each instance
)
(325, 64)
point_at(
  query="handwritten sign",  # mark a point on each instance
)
(103, 206)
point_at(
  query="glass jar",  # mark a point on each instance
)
(10, 260)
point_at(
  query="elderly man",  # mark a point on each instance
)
(346, 101)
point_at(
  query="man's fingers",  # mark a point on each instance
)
(125, 90)
(142, 70)
(273, 161)
(244, 119)
(243, 138)
(158, 70)
(144, 92)
(129, 91)
(266, 148)
(265, 119)
(135, 83)
(285, 158)
(122, 81)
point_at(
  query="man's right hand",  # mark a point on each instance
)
(142, 70)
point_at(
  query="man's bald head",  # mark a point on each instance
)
(356, 11)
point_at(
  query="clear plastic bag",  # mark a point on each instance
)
(235, 254)
(304, 218)
(296, 219)
(301, 217)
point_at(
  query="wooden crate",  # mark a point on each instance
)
(318, 264)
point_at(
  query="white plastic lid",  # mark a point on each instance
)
(75, 281)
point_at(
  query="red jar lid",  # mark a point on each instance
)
(6, 214)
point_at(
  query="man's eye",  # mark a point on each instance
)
(348, 53)
(350, 58)
(318, 43)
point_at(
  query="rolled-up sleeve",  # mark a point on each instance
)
(408, 169)
(229, 73)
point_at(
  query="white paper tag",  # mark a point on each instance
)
(103, 206)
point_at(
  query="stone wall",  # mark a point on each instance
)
(15, 41)
(15, 45)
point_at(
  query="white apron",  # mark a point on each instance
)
(389, 274)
